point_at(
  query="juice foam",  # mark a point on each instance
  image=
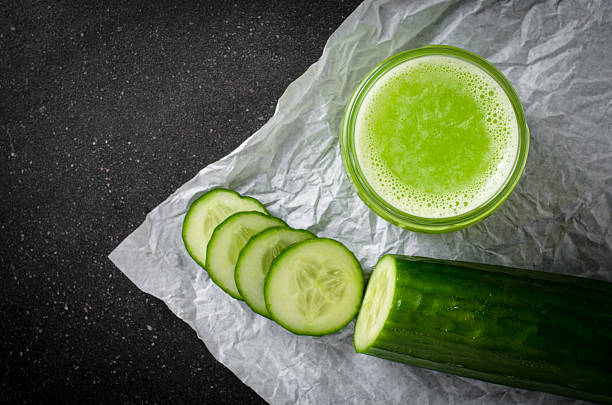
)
(436, 137)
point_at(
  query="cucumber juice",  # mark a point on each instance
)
(436, 137)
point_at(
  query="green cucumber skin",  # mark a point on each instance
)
(534, 330)
(201, 199)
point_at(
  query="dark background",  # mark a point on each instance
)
(106, 108)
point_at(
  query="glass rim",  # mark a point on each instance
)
(386, 210)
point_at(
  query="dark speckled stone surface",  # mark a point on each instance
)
(105, 109)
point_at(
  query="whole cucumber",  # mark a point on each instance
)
(523, 328)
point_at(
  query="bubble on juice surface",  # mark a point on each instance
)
(500, 122)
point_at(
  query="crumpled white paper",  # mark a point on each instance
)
(558, 56)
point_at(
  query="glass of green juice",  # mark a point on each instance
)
(434, 139)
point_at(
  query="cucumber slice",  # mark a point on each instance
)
(314, 287)
(206, 213)
(227, 241)
(255, 260)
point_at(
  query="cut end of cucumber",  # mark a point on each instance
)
(376, 304)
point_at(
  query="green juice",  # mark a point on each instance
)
(436, 137)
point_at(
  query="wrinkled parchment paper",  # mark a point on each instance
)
(558, 56)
